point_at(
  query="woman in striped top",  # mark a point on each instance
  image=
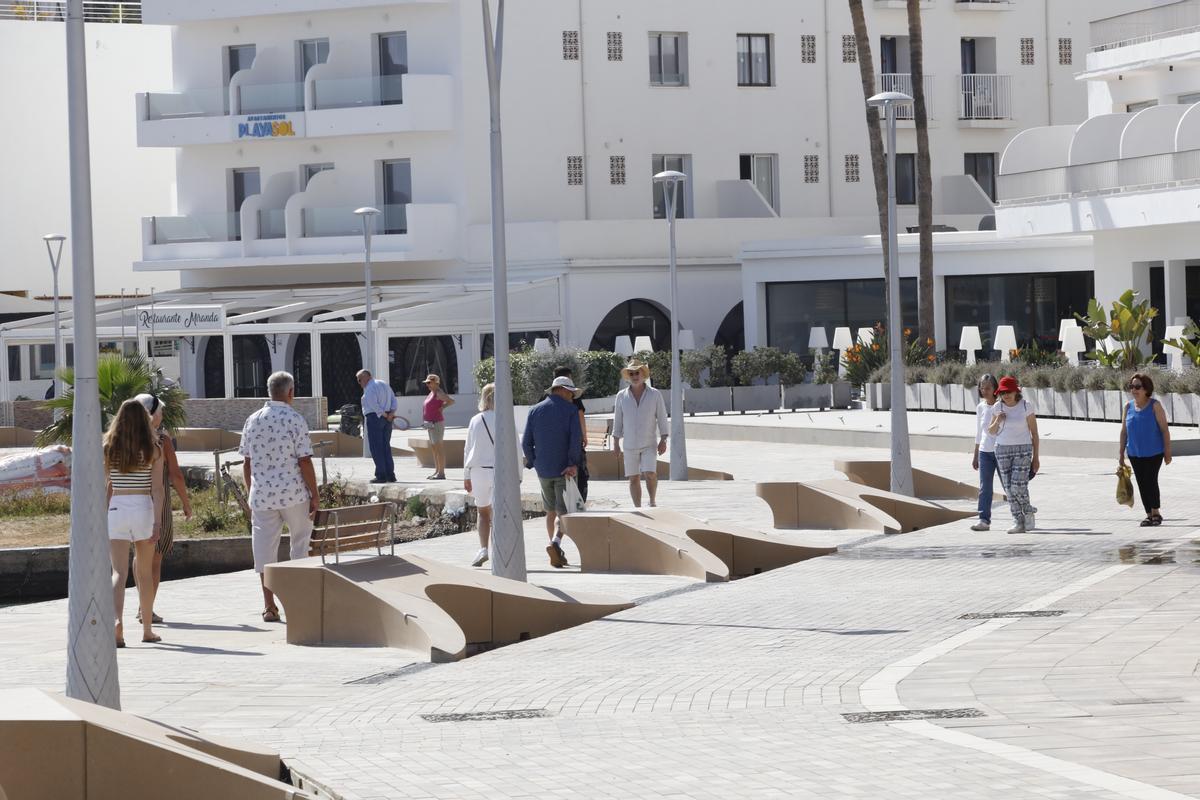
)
(135, 498)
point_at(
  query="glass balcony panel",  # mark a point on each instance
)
(344, 222)
(354, 92)
(210, 227)
(181, 105)
(269, 98)
(271, 224)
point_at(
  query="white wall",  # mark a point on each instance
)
(121, 60)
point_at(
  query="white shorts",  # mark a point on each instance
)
(131, 517)
(639, 461)
(266, 530)
(482, 482)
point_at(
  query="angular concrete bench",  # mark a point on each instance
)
(926, 485)
(55, 747)
(606, 465)
(453, 448)
(844, 505)
(420, 605)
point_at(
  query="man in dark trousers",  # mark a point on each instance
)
(551, 445)
(582, 477)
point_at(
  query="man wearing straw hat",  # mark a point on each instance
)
(640, 412)
(552, 443)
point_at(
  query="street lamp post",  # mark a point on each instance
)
(55, 253)
(671, 180)
(367, 214)
(902, 481)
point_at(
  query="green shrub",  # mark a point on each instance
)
(862, 358)
(1096, 379)
(34, 503)
(825, 368)
(706, 366)
(763, 363)
(659, 362)
(1067, 379)
(415, 506)
(598, 372)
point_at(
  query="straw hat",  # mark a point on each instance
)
(635, 366)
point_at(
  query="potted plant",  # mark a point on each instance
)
(878, 392)
(914, 379)
(706, 372)
(1166, 385)
(1187, 404)
(1127, 323)
(1035, 385)
(760, 372)
(1094, 382)
(1066, 383)
(1114, 396)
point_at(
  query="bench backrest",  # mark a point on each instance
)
(352, 528)
(596, 432)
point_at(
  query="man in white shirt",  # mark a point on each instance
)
(278, 472)
(379, 408)
(640, 413)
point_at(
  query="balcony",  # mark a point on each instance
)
(113, 11)
(984, 5)
(288, 110)
(985, 101)
(902, 82)
(1146, 25)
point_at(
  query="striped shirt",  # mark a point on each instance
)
(136, 481)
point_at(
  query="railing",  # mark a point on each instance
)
(377, 90)
(1154, 171)
(902, 82)
(1145, 25)
(344, 222)
(221, 226)
(183, 105)
(271, 223)
(985, 2)
(118, 11)
(270, 98)
(985, 97)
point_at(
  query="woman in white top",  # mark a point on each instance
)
(479, 463)
(984, 458)
(1014, 424)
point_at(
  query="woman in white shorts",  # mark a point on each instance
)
(479, 466)
(135, 499)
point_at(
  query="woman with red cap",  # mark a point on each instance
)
(1014, 424)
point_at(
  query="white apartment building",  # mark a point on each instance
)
(1126, 177)
(284, 119)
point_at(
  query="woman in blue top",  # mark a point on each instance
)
(1145, 437)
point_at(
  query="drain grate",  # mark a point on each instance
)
(383, 677)
(913, 714)
(488, 716)
(1011, 614)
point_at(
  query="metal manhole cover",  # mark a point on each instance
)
(913, 714)
(488, 716)
(1011, 614)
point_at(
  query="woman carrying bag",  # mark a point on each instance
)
(1147, 440)
(1014, 424)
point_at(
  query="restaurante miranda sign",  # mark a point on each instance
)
(190, 319)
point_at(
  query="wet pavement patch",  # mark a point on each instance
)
(913, 714)
(488, 716)
(1011, 614)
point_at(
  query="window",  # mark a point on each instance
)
(41, 361)
(1033, 303)
(668, 59)
(14, 363)
(679, 163)
(906, 179)
(812, 169)
(1027, 51)
(517, 341)
(570, 45)
(1141, 105)
(760, 169)
(616, 46)
(754, 59)
(413, 357)
(309, 53)
(853, 168)
(1188, 99)
(397, 194)
(393, 66)
(633, 318)
(616, 170)
(574, 170)
(794, 308)
(1065, 55)
(849, 49)
(245, 183)
(237, 58)
(982, 167)
(308, 170)
(808, 49)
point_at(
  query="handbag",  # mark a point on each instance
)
(1124, 486)
(573, 498)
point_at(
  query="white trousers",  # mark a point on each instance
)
(266, 530)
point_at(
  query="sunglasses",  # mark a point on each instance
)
(1134, 386)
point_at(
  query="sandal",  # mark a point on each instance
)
(270, 615)
(1156, 520)
(152, 638)
(1146, 523)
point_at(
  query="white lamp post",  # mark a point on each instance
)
(542, 346)
(1173, 353)
(367, 214)
(969, 341)
(817, 340)
(54, 247)
(843, 340)
(671, 180)
(687, 340)
(866, 336)
(1073, 344)
(1005, 341)
(91, 648)
(642, 344)
(902, 482)
(623, 346)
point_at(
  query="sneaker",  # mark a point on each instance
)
(480, 558)
(1018, 527)
(1030, 522)
(981, 526)
(558, 559)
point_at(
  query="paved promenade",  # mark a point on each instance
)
(937, 664)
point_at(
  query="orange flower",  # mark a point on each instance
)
(908, 331)
(1116, 324)
(929, 342)
(1014, 353)
(931, 358)
(874, 347)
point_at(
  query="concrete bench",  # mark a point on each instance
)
(844, 505)
(454, 449)
(607, 465)
(597, 432)
(347, 528)
(420, 605)
(926, 485)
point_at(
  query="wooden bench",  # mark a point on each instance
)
(353, 528)
(597, 433)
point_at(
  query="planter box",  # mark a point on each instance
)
(1114, 404)
(713, 399)
(841, 393)
(1079, 404)
(755, 398)
(941, 397)
(1062, 403)
(912, 396)
(1184, 406)
(1095, 404)
(956, 398)
(928, 396)
(1168, 404)
(599, 405)
(808, 395)
(1042, 399)
(971, 399)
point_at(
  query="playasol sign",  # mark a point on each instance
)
(267, 126)
(160, 319)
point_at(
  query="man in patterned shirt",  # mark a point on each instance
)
(278, 472)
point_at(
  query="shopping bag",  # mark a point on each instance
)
(573, 497)
(1124, 486)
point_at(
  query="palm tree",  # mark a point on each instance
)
(119, 378)
(916, 55)
(866, 70)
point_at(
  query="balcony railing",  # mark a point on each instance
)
(1145, 25)
(377, 90)
(985, 97)
(182, 105)
(270, 98)
(221, 226)
(344, 222)
(902, 82)
(118, 11)
(1159, 170)
(271, 223)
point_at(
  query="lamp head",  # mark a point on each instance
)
(670, 176)
(366, 211)
(885, 99)
(54, 237)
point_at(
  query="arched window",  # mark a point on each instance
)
(251, 366)
(732, 333)
(414, 357)
(634, 318)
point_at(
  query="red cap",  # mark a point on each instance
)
(1008, 384)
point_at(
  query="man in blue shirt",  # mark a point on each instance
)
(379, 409)
(552, 444)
